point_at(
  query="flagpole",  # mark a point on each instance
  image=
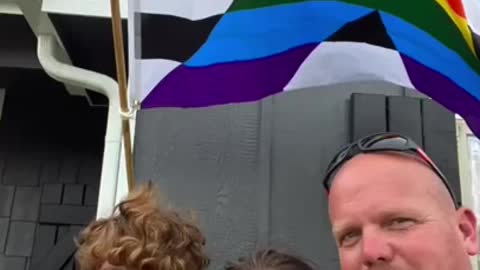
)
(122, 87)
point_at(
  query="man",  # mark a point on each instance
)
(391, 208)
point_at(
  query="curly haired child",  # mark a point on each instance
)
(143, 234)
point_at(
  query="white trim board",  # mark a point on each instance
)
(94, 8)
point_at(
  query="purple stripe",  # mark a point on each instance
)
(227, 83)
(445, 92)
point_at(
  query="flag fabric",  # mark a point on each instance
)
(204, 53)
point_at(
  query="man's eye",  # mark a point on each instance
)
(401, 223)
(349, 239)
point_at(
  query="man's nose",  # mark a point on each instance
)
(375, 249)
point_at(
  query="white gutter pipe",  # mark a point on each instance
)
(103, 84)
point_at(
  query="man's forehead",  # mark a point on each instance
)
(394, 158)
(377, 170)
(374, 162)
(374, 177)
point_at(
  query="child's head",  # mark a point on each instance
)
(270, 259)
(143, 235)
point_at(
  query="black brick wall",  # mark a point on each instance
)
(51, 147)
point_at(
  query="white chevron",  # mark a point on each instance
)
(338, 62)
(146, 75)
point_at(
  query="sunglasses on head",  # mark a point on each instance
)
(382, 142)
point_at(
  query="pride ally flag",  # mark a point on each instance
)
(203, 53)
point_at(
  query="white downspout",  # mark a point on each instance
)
(102, 84)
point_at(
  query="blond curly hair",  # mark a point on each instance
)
(143, 235)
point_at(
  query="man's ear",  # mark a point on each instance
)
(467, 223)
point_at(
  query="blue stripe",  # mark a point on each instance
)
(427, 50)
(257, 33)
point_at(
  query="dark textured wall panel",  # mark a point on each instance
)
(90, 169)
(60, 253)
(405, 116)
(20, 239)
(66, 214)
(26, 203)
(44, 241)
(69, 168)
(52, 194)
(206, 160)
(73, 194)
(61, 232)
(369, 114)
(36, 153)
(6, 200)
(69, 265)
(439, 130)
(22, 168)
(12, 263)
(50, 170)
(91, 195)
(3, 233)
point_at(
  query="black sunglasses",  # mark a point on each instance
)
(382, 142)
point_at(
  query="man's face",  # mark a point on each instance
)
(392, 212)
